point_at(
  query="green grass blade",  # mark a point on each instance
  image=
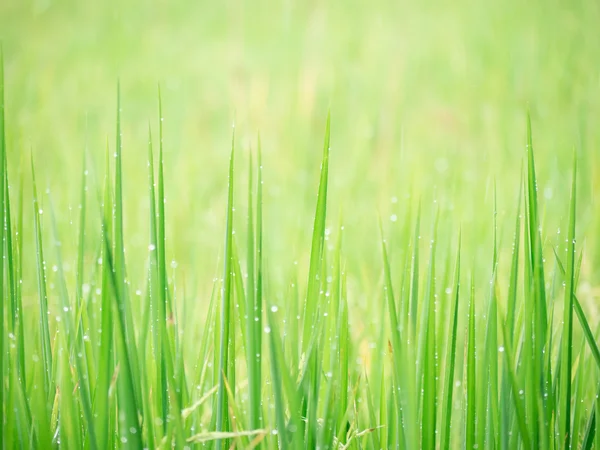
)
(514, 269)
(42, 293)
(405, 407)
(316, 252)
(427, 358)
(163, 286)
(226, 295)
(106, 363)
(470, 436)
(536, 242)
(69, 326)
(567, 340)
(2, 177)
(127, 397)
(253, 352)
(414, 291)
(516, 392)
(451, 356)
(259, 265)
(119, 260)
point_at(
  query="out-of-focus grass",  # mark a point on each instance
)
(424, 95)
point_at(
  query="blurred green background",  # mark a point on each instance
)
(428, 102)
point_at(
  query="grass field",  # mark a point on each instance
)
(395, 245)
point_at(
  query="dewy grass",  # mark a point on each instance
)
(103, 366)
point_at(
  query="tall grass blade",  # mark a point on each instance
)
(567, 337)
(451, 356)
(2, 177)
(316, 251)
(226, 301)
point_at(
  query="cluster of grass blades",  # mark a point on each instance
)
(116, 372)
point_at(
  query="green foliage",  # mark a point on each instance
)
(108, 346)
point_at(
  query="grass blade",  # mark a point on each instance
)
(451, 356)
(316, 251)
(226, 294)
(567, 341)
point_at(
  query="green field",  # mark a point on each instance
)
(334, 225)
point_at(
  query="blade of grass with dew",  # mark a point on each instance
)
(47, 385)
(252, 349)
(127, 387)
(506, 412)
(17, 382)
(70, 332)
(204, 355)
(69, 435)
(22, 413)
(516, 393)
(538, 293)
(405, 408)
(158, 297)
(2, 176)
(163, 294)
(491, 342)
(11, 288)
(344, 352)
(120, 270)
(80, 310)
(590, 428)
(316, 251)
(514, 268)
(128, 410)
(578, 393)
(536, 241)
(258, 300)
(414, 291)
(470, 436)
(240, 298)
(567, 339)
(106, 364)
(292, 434)
(528, 373)
(171, 389)
(428, 356)
(19, 266)
(226, 295)
(451, 357)
(151, 321)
